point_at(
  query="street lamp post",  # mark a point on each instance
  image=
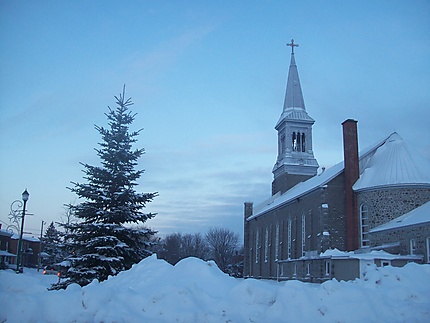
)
(25, 196)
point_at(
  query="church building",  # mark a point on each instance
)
(372, 206)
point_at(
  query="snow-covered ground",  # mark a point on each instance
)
(197, 291)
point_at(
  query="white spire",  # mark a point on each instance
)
(293, 94)
(296, 161)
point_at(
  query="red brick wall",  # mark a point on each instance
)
(350, 152)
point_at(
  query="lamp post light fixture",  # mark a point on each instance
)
(25, 197)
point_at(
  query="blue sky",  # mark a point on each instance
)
(208, 82)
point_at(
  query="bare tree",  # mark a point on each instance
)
(194, 245)
(201, 248)
(68, 217)
(171, 251)
(223, 244)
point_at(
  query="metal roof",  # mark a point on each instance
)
(395, 163)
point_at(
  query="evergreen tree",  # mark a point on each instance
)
(101, 241)
(52, 245)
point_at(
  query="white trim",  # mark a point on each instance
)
(412, 246)
(428, 249)
(364, 225)
(289, 238)
(266, 245)
(327, 268)
(303, 234)
(277, 241)
(257, 242)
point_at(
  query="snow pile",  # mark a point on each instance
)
(197, 291)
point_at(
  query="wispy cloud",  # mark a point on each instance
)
(167, 52)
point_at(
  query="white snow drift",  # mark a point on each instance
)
(197, 291)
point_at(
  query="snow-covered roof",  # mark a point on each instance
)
(420, 215)
(5, 253)
(26, 238)
(372, 255)
(5, 233)
(388, 162)
(395, 163)
(293, 114)
(313, 183)
(299, 190)
(365, 255)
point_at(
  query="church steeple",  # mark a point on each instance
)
(293, 94)
(295, 162)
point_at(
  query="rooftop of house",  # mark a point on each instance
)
(25, 237)
(5, 233)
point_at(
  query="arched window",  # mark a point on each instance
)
(289, 238)
(303, 234)
(257, 246)
(293, 141)
(266, 245)
(303, 143)
(277, 241)
(364, 225)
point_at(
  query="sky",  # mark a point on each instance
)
(208, 83)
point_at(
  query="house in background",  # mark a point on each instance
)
(9, 249)
(6, 257)
(344, 207)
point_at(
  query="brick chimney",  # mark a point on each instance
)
(350, 153)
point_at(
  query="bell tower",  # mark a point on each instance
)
(296, 161)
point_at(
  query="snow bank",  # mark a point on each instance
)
(197, 291)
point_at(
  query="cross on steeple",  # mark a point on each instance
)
(292, 46)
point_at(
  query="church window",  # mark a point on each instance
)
(289, 238)
(412, 246)
(257, 246)
(327, 267)
(428, 249)
(298, 142)
(251, 253)
(266, 245)
(293, 147)
(295, 270)
(364, 225)
(303, 143)
(308, 269)
(277, 241)
(303, 234)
